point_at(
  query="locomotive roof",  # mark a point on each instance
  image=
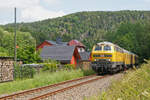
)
(105, 42)
(109, 43)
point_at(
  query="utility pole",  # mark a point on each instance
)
(15, 27)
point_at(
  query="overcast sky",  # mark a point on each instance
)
(34, 10)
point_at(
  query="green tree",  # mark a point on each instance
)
(28, 55)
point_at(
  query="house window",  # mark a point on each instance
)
(81, 50)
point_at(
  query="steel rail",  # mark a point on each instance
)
(66, 88)
(41, 88)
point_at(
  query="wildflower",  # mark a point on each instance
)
(145, 93)
(119, 99)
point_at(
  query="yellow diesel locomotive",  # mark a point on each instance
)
(107, 57)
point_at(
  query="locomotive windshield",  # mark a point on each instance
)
(107, 48)
(98, 48)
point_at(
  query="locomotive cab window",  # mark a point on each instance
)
(98, 48)
(107, 48)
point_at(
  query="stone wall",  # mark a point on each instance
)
(6, 69)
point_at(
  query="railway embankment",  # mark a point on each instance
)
(135, 85)
(76, 89)
(41, 79)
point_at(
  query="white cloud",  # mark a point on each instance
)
(148, 1)
(30, 10)
(3, 22)
(18, 3)
(39, 13)
(50, 2)
(24, 3)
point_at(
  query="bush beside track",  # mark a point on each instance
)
(135, 85)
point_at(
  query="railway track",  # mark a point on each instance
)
(47, 91)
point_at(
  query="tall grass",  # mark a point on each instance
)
(41, 79)
(135, 85)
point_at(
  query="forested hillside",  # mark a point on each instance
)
(84, 26)
(129, 29)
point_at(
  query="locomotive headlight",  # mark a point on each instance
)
(107, 59)
(95, 59)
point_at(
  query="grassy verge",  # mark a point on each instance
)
(41, 79)
(135, 85)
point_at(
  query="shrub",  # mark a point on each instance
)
(69, 66)
(21, 72)
(51, 61)
(3, 52)
(50, 67)
(27, 72)
(88, 72)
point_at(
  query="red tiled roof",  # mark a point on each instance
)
(75, 43)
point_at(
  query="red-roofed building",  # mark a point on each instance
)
(79, 45)
(49, 43)
(45, 43)
(62, 53)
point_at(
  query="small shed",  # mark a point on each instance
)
(6, 69)
(62, 53)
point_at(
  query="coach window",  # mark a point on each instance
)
(107, 48)
(98, 48)
(117, 49)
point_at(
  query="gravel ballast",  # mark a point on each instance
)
(28, 96)
(86, 90)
